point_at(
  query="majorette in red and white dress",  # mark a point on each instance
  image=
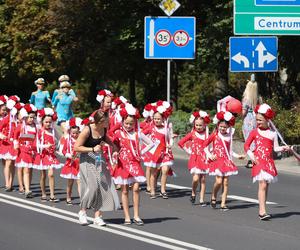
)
(1, 119)
(114, 123)
(46, 158)
(192, 143)
(222, 148)
(25, 138)
(7, 128)
(265, 141)
(146, 157)
(129, 169)
(71, 168)
(159, 155)
(144, 124)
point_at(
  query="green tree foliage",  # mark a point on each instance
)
(100, 43)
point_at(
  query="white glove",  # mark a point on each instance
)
(2, 136)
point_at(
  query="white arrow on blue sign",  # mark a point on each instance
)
(170, 38)
(277, 2)
(253, 54)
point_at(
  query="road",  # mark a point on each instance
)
(169, 224)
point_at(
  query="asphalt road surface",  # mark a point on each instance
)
(169, 224)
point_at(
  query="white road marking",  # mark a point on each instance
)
(132, 230)
(234, 197)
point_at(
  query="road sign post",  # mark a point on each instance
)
(267, 17)
(253, 54)
(168, 80)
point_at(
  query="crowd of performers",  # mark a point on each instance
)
(108, 150)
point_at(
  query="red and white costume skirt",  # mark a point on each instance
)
(222, 167)
(128, 170)
(197, 164)
(46, 160)
(160, 157)
(71, 169)
(264, 170)
(7, 151)
(26, 157)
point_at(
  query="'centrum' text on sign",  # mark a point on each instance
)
(277, 23)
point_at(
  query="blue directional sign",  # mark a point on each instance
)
(170, 37)
(278, 2)
(253, 54)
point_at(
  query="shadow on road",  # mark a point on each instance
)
(178, 193)
(146, 221)
(284, 215)
(243, 206)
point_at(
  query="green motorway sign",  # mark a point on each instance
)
(251, 18)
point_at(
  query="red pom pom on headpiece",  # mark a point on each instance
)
(225, 116)
(127, 110)
(102, 93)
(201, 114)
(265, 110)
(164, 108)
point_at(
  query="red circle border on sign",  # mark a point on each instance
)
(187, 41)
(166, 32)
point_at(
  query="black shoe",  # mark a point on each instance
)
(138, 222)
(224, 208)
(264, 217)
(213, 203)
(193, 199)
(53, 199)
(69, 202)
(249, 164)
(164, 195)
(127, 222)
(147, 191)
(203, 204)
(8, 189)
(44, 199)
(28, 195)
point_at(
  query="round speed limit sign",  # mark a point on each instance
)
(163, 37)
(181, 38)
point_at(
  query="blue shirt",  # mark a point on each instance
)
(58, 91)
(63, 106)
(39, 98)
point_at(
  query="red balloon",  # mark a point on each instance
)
(234, 106)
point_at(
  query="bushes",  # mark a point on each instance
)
(180, 121)
(287, 121)
(238, 134)
(288, 124)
